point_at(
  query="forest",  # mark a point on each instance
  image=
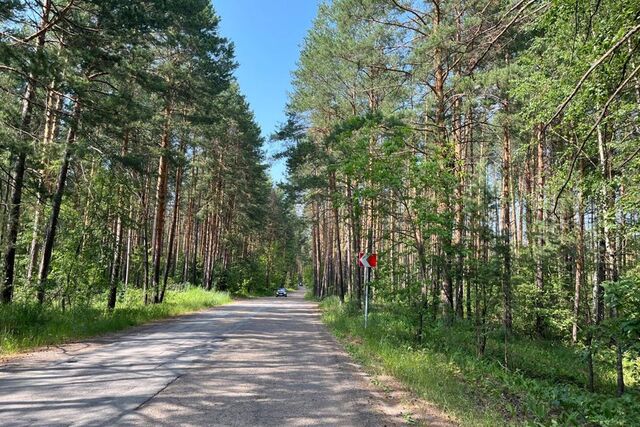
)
(488, 152)
(130, 162)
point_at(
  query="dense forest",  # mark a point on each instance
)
(488, 151)
(129, 157)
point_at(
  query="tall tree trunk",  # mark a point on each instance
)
(610, 260)
(340, 277)
(146, 196)
(458, 207)
(354, 216)
(194, 256)
(19, 167)
(161, 198)
(53, 106)
(172, 231)
(129, 248)
(444, 241)
(470, 166)
(579, 270)
(540, 226)
(318, 251)
(117, 250)
(35, 238)
(505, 202)
(115, 265)
(50, 236)
(6, 295)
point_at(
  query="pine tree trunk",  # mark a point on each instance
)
(458, 206)
(53, 106)
(146, 196)
(610, 260)
(194, 256)
(161, 198)
(115, 267)
(117, 251)
(507, 317)
(355, 243)
(540, 217)
(47, 250)
(579, 270)
(19, 167)
(35, 238)
(129, 248)
(172, 231)
(471, 172)
(340, 277)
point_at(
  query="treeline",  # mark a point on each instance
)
(488, 152)
(129, 157)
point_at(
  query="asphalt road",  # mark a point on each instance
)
(262, 362)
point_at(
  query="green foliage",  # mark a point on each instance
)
(163, 131)
(541, 386)
(487, 151)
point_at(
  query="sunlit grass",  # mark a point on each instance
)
(543, 385)
(28, 326)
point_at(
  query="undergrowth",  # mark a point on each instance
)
(541, 386)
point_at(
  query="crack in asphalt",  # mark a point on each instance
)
(256, 362)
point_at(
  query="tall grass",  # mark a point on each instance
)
(27, 326)
(542, 385)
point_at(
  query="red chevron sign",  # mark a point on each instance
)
(366, 260)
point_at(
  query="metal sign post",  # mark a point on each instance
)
(367, 275)
(367, 262)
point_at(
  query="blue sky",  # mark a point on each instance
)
(267, 35)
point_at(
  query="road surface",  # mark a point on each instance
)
(261, 362)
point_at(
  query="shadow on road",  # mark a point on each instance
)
(258, 362)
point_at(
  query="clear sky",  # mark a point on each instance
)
(267, 35)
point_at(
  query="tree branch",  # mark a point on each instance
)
(593, 128)
(588, 73)
(50, 24)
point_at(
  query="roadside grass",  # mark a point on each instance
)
(28, 326)
(543, 385)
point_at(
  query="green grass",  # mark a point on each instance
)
(543, 385)
(28, 326)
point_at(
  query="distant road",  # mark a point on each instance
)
(266, 361)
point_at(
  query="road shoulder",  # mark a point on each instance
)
(396, 400)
